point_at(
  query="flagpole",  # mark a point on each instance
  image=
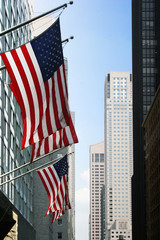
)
(63, 41)
(39, 167)
(29, 163)
(33, 19)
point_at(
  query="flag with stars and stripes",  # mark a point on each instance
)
(39, 84)
(61, 138)
(54, 179)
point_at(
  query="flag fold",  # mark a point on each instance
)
(61, 138)
(39, 84)
(55, 181)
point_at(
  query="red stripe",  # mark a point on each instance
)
(54, 140)
(63, 102)
(54, 177)
(39, 147)
(65, 81)
(28, 91)
(18, 94)
(58, 199)
(55, 108)
(65, 139)
(51, 185)
(46, 145)
(37, 87)
(73, 132)
(61, 191)
(60, 139)
(44, 183)
(66, 192)
(56, 215)
(48, 119)
(57, 188)
(33, 152)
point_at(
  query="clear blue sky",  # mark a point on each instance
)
(102, 43)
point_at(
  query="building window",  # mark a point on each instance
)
(59, 235)
(96, 157)
(59, 221)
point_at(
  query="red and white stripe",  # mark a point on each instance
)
(59, 213)
(57, 191)
(61, 201)
(44, 105)
(61, 138)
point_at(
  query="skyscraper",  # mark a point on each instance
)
(97, 178)
(146, 64)
(118, 154)
(152, 153)
(17, 195)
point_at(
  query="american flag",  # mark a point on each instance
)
(39, 84)
(61, 138)
(54, 179)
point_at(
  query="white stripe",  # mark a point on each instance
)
(62, 137)
(55, 187)
(60, 195)
(44, 120)
(42, 148)
(50, 140)
(53, 124)
(63, 189)
(23, 94)
(40, 79)
(58, 100)
(48, 184)
(56, 203)
(69, 135)
(36, 149)
(32, 88)
(58, 139)
(64, 88)
(53, 182)
(46, 181)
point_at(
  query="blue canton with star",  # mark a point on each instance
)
(48, 50)
(61, 167)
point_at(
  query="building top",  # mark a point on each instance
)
(98, 147)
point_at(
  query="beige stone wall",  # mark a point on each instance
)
(13, 234)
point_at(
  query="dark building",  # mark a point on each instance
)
(152, 162)
(146, 63)
(13, 225)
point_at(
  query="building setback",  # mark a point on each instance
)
(146, 65)
(97, 179)
(152, 163)
(118, 154)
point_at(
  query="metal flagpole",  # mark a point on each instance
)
(29, 163)
(35, 18)
(66, 40)
(23, 174)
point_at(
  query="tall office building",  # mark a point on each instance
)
(103, 234)
(97, 178)
(118, 154)
(16, 196)
(152, 163)
(146, 66)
